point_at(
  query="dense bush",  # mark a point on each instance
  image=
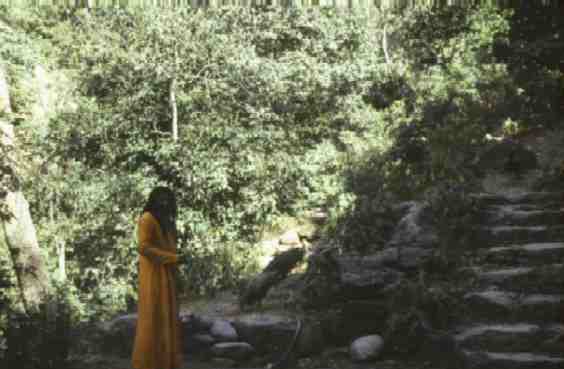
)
(279, 111)
(450, 91)
(40, 339)
(255, 130)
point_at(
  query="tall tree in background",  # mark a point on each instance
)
(15, 218)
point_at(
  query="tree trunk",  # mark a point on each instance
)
(5, 106)
(174, 109)
(172, 97)
(19, 231)
(24, 249)
(62, 271)
(385, 47)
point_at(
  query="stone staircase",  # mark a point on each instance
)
(516, 309)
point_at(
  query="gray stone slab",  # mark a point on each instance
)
(513, 360)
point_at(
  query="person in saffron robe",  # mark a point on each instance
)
(157, 339)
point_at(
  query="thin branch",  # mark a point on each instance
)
(385, 46)
(174, 109)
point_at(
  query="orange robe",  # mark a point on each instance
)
(157, 339)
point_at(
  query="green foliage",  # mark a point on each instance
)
(419, 309)
(255, 127)
(532, 52)
(42, 339)
(280, 110)
(451, 210)
(432, 115)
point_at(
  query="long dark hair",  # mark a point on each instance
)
(162, 205)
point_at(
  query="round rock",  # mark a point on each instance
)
(366, 348)
(223, 331)
(233, 350)
(267, 333)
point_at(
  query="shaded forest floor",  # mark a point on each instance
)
(106, 362)
(225, 305)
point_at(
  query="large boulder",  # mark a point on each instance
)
(267, 333)
(403, 258)
(233, 350)
(414, 229)
(366, 283)
(287, 292)
(362, 281)
(331, 277)
(223, 331)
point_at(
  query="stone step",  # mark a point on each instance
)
(487, 199)
(519, 337)
(542, 279)
(555, 206)
(518, 234)
(531, 254)
(512, 360)
(508, 215)
(507, 306)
